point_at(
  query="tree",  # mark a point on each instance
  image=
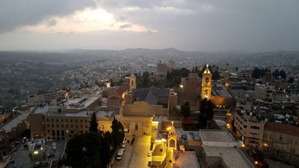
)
(185, 110)
(282, 74)
(118, 133)
(215, 75)
(206, 115)
(87, 150)
(145, 77)
(291, 80)
(111, 83)
(93, 123)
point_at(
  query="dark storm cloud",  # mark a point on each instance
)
(15, 13)
(125, 26)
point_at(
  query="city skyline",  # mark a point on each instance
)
(184, 25)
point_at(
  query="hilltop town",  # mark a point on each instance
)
(168, 108)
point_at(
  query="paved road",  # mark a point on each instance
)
(124, 162)
(135, 155)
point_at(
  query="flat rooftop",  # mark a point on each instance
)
(215, 136)
(230, 156)
(221, 91)
(41, 109)
(14, 123)
(187, 159)
(71, 114)
(80, 103)
(85, 113)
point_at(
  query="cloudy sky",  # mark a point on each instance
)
(193, 25)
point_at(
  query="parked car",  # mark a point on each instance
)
(39, 164)
(149, 153)
(49, 155)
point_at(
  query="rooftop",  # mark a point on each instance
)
(215, 136)
(150, 95)
(41, 109)
(71, 114)
(14, 123)
(283, 128)
(230, 156)
(221, 91)
(80, 103)
(187, 159)
(84, 113)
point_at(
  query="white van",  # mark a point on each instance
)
(120, 154)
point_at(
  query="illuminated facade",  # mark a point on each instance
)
(206, 85)
(132, 82)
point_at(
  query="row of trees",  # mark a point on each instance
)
(96, 148)
(261, 72)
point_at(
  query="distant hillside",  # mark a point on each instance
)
(79, 57)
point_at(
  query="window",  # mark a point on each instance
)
(255, 127)
(207, 81)
(280, 138)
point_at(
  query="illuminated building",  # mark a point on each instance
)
(206, 85)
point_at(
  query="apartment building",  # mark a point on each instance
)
(249, 127)
(64, 121)
(282, 141)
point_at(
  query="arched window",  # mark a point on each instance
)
(172, 143)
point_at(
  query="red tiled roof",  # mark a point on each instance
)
(282, 128)
(120, 90)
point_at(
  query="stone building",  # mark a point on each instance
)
(282, 141)
(141, 105)
(189, 91)
(62, 121)
(249, 128)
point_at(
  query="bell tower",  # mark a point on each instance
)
(132, 82)
(206, 84)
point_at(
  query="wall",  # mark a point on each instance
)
(143, 109)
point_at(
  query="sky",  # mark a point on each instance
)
(191, 25)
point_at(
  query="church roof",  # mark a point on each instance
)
(150, 95)
(121, 89)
